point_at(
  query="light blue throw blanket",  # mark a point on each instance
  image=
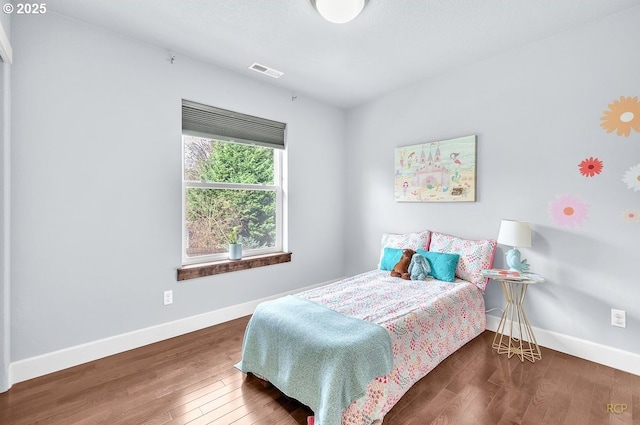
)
(318, 356)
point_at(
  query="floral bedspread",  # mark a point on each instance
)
(427, 321)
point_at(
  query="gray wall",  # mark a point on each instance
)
(5, 115)
(536, 111)
(96, 189)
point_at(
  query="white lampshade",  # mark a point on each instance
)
(515, 233)
(339, 11)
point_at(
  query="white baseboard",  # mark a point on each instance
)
(33, 367)
(588, 350)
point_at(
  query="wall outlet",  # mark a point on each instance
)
(168, 297)
(618, 318)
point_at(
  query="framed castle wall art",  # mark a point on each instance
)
(443, 171)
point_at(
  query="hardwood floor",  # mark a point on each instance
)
(191, 380)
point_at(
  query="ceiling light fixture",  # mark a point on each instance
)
(339, 11)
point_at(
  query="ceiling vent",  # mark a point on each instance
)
(266, 70)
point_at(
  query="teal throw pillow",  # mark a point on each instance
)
(443, 265)
(390, 258)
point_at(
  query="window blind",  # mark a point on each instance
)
(215, 123)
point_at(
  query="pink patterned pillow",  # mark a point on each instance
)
(475, 255)
(405, 240)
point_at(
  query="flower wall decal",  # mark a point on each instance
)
(590, 167)
(568, 211)
(631, 215)
(623, 115)
(632, 178)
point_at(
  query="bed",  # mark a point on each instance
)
(351, 349)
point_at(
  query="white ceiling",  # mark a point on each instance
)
(392, 44)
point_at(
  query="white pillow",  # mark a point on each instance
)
(413, 241)
(475, 255)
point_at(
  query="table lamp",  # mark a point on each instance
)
(515, 234)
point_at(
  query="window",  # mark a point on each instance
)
(232, 182)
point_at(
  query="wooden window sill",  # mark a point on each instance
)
(193, 271)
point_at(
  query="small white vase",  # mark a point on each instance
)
(235, 251)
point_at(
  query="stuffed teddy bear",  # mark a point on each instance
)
(419, 268)
(401, 269)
